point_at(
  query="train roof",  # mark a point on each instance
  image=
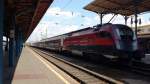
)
(81, 30)
(122, 25)
(66, 34)
(100, 26)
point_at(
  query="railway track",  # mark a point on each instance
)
(135, 66)
(79, 73)
(141, 68)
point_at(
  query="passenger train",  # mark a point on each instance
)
(112, 41)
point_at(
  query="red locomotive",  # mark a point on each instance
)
(114, 41)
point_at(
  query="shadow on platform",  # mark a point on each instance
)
(9, 70)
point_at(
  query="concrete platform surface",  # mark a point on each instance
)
(147, 59)
(33, 69)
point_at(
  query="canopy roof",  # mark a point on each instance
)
(123, 7)
(24, 15)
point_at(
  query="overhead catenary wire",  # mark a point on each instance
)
(67, 4)
(72, 13)
(114, 18)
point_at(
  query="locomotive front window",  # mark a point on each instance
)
(124, 30)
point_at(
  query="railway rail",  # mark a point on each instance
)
(141, 68)
(137, 67)
(79, 73)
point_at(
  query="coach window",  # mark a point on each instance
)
(104, 34)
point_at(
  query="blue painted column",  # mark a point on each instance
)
(11, 52)
(18, 41)
(21, 41)
(1, 39)
(12, 43)
(17, 37)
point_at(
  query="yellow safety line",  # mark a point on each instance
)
(50, 68)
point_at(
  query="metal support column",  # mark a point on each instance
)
(21, 41)
(6, 47)
(136, 21)
(17, 41)
(135, 14)
(101, 18)
(11, 52)
(125, 18)
(136, 3)
(12, 44)
(1, 39)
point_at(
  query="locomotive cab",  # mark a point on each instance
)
(126, 42)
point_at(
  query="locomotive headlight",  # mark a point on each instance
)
(118, 44)
(134, 43)
(134, 36)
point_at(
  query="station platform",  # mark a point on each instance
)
(147, 59)
(33, 69)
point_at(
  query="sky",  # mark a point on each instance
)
(68, 15)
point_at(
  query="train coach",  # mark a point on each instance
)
(112, 41)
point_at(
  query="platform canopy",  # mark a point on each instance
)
(24, 15)
(123, 7)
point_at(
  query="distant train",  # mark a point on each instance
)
(143, 36)
(112, 41)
